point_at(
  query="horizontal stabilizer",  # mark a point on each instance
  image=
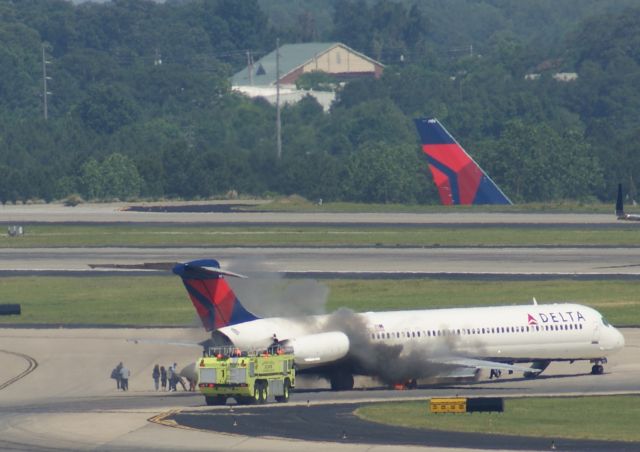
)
(169, 266)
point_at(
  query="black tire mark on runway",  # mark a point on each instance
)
(32, 365)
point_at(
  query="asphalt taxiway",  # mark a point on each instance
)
(496, 261)
(119, 213)
(69, 402)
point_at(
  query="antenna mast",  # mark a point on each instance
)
(45, 93)
(278, 125)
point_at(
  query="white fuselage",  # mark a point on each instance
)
(503, 333)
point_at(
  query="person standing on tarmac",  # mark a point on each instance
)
(156, 376)
(115, 374)
(163, 378)
(170, 377)
(124, 378)
(176, 377)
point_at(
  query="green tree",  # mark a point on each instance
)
(384, 173)
(536, 163)
(107, 108)
(120, 177)
(92, 180)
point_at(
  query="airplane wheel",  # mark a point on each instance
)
(597, 369)
(530, 375)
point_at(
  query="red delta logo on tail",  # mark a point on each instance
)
(211, 295)
(458, 177)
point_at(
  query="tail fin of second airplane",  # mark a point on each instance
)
(459, 179)
(211, 295)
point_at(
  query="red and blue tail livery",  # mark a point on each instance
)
(211, 295)
(459, 179)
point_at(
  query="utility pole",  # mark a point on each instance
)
(250, 66)
(45, 93)
(278, 125)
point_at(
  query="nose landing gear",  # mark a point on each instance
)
(598, 368)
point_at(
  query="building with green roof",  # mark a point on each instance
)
(332, 58)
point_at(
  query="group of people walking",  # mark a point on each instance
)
(166, 378)
(170, 375)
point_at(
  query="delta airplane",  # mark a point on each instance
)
(459, 179)
(620, 208)
(401, 346)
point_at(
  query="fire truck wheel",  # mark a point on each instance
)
(264, 392)
(285, 396)
(260, 392)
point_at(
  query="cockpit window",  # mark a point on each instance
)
(604, 322)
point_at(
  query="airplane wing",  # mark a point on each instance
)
(481, 364)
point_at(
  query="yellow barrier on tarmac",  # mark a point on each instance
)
(451, 405)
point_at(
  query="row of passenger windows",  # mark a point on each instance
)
(472, 331)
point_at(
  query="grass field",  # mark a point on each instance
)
(604, 418)
(152, 300)
(186, 235)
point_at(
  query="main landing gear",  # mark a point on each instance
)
(341, 381)
(598, 368)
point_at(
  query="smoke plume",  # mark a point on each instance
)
(268, 294)
(390, 363)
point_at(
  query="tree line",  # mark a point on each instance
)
(141, 106)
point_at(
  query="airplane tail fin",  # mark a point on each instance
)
(619, 203)
(211, 295)
(459, 179)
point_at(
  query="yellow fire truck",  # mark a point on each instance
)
(248, 377)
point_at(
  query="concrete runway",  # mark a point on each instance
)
(115, 212)
(589, 262)
(69, 403)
